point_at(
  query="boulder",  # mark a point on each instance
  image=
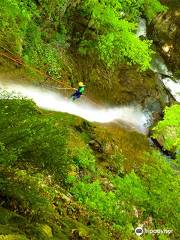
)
(165, 32)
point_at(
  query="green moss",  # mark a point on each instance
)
(43, 231)
(8, 229)
(13, 237)
(167, 131)
(38, 205)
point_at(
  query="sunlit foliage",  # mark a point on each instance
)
(38, 31)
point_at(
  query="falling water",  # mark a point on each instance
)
(158, 66)
(142, 29)
(173, 85)
(54, 101)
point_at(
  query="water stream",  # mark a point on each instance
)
(132, 116)
(158, 66)
(142, 29)
(171, 84)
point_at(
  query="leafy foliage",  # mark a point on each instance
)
(124, 46)
(84, 158)
(114, 36)
(25, 136)
(162, 184)
(35, 158)
(32, 141)
(14, 20)
(167, 131)
(133, 9)
(23, 33)
(135, 199)
(19, 186)
(39, 31)
(151, 8)
(34, 163)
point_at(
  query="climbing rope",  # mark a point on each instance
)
(15, 59)
(59, 88)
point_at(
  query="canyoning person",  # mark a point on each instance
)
(78, 92)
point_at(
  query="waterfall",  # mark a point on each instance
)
(173, 86)
(142, 29)
(132, 116)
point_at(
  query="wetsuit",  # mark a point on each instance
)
(78, 93)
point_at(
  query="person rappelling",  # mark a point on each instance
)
(78, 91)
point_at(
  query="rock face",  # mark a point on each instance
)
(167, 132)
(165, 32)
(128, 86)
(123, 86)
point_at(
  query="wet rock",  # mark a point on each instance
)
(107, 186)
(159, 66)
(96, 146)
(155, 108)
(141, 30)
(174, 87)
(153, 105)
(168, 133)
(124, 146)
(127, 86)
(165, 31)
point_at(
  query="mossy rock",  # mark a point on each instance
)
(125, 85)
(43, 231)
(6, 215)
(8, 229)
(13, 237)
(165, 32)
(118, 146)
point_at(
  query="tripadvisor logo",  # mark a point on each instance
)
(139, 231)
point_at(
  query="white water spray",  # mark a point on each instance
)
(142, 29)
(158, 66)
(174, 87)
(50, 100)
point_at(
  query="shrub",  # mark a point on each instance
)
(84, 158)
(26, 136)
(167, 131)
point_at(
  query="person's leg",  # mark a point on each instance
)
(77, 95)
(73, 96)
